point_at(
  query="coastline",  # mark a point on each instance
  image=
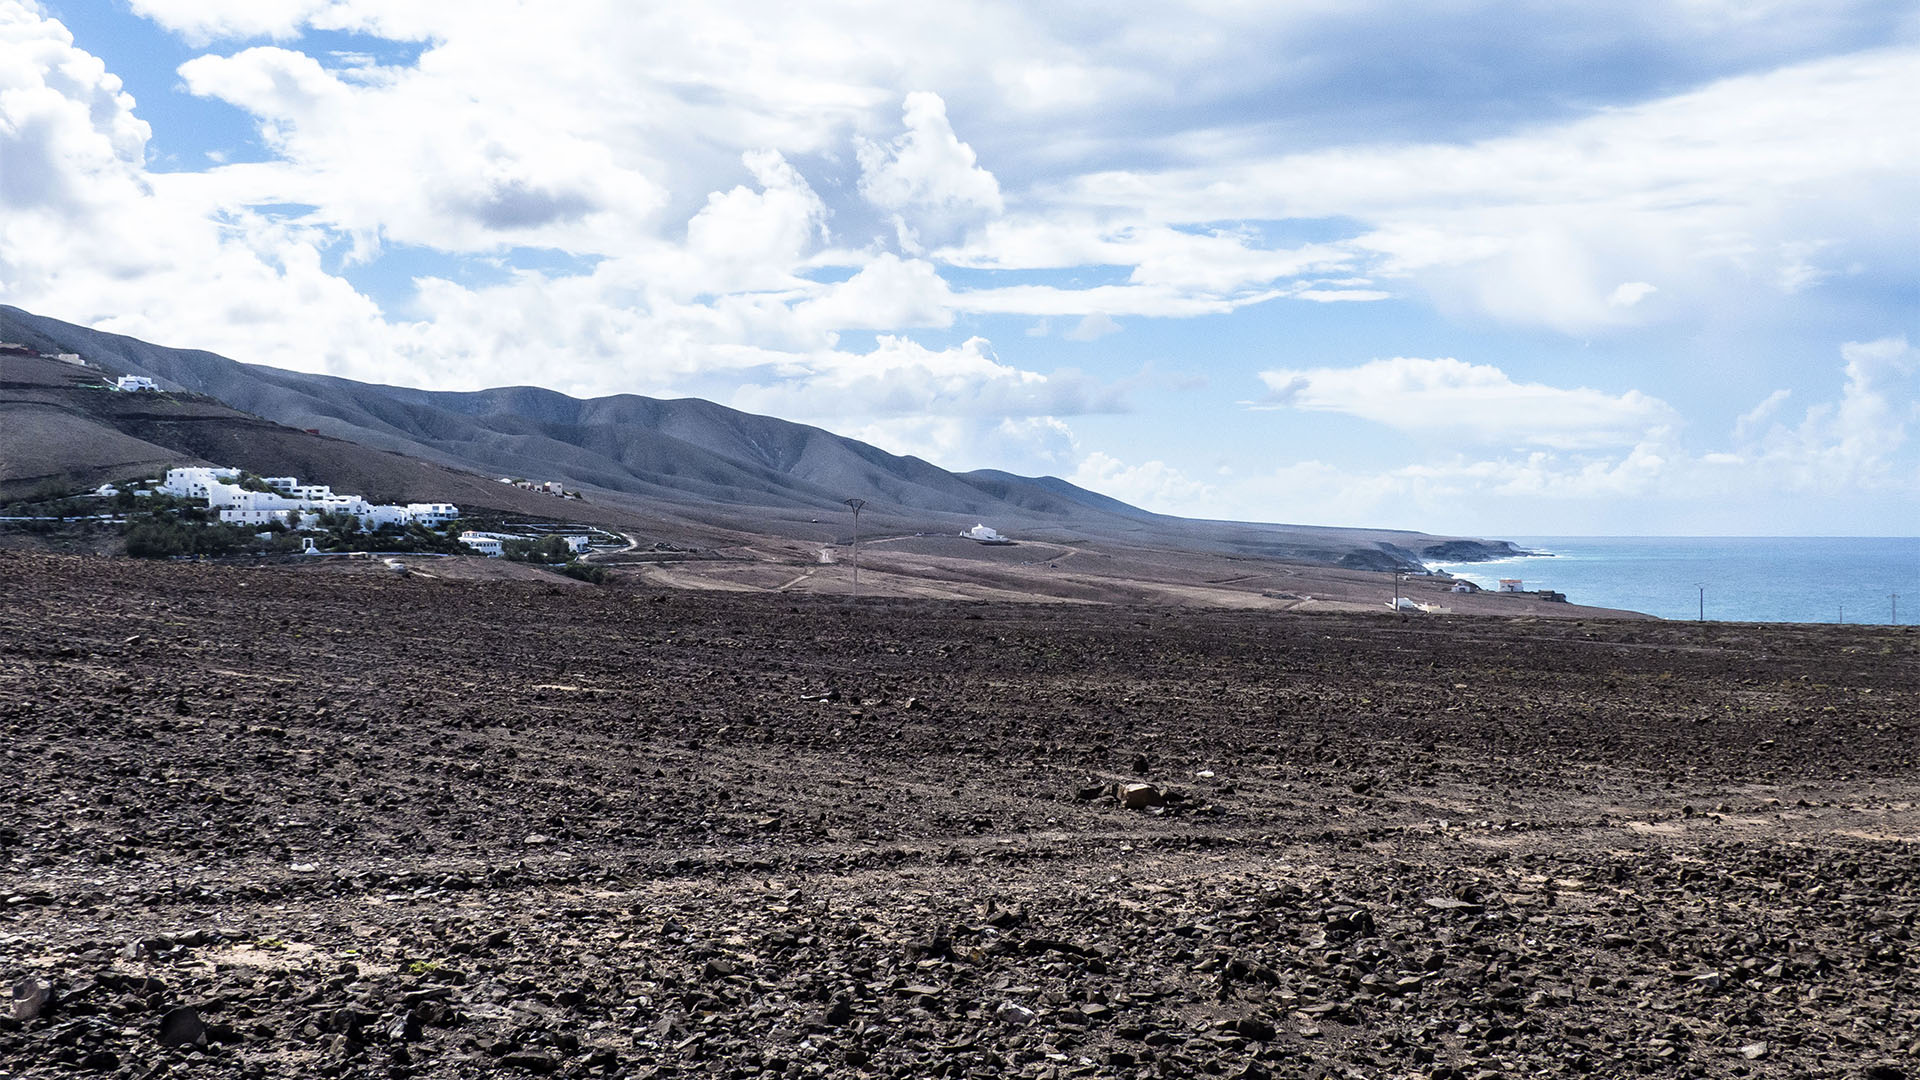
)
(1806, 580)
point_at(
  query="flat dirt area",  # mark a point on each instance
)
(290, 822)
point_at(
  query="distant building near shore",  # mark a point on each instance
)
(1464, 587)
(1510, 584)
(985, 535)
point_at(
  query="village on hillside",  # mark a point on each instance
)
(204, 510)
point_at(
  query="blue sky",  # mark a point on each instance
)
(1474, 268)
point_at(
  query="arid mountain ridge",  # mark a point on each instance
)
(687, 460)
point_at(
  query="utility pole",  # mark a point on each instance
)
(1703, 603)
(856, 504)
(1893, 602)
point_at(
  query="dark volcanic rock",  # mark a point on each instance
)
(323, 862)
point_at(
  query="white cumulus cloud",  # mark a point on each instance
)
(1445, 396)
(930, 180)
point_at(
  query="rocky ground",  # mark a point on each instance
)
(280, 822)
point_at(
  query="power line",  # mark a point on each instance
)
(856, 504)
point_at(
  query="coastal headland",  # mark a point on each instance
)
(296, 822)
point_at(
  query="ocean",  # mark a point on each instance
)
(1804, 579)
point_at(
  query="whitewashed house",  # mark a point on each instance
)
(577, 544)
(1510, 584)
(484, 543)
(242, 507)
(985, 534)
(134, 384)
(433, 515)
(196, 482)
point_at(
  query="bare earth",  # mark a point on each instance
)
(300, 822)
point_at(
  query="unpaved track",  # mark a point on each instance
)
(379, 826)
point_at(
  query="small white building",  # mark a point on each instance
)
(433, 515)
(1510, 584)
(106, 491)
(1403, 603)
(985, 534)
(196, 482)
(134, 383)
(577, 544)
(484, 543)
(1464, 587)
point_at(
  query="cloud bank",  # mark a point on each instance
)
(977, 253)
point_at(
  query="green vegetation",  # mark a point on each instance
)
(163, 536)
(553, 552)
(547, 549)
(343, 532)
(585, 572)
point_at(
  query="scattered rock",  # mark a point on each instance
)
(533, 1061)
(31, 997)
(182, 1027)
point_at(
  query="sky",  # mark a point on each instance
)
(1472, 268)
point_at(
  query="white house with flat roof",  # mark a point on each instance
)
(433, 515)
(484, 543)
(134, 383)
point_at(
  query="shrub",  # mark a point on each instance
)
(585, 572)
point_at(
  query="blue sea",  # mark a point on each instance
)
(1804, 579)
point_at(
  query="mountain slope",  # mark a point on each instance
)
(696, 459)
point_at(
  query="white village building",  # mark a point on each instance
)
(293, 502)
(492, 545)
(134, 383)
(433, 515)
